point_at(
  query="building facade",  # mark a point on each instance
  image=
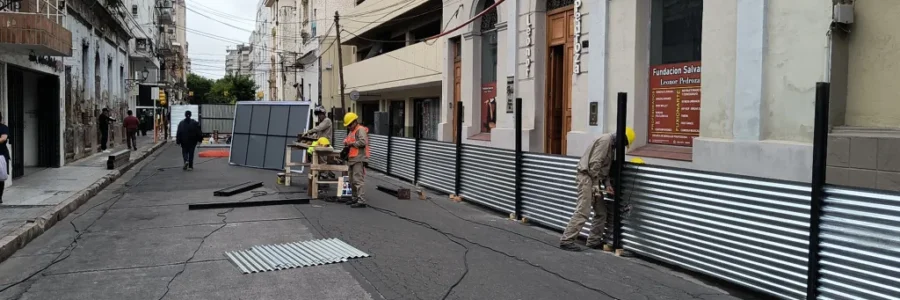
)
(55, 81)
(260, 42)
(724, 86)
(394, 67)
(238, 61)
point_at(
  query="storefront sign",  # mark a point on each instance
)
(675, 103)
(576, 68)
(488, 106)
(510, 93)
(529, 42)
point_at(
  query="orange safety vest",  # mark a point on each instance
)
(351, 138)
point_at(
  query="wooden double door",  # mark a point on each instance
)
(560, 59)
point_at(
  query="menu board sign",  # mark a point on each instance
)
(675, 104)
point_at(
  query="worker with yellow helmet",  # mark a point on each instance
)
(591, 172)
(357, 156)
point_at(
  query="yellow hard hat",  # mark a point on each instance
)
(629, 134)
(349, 118)
(323, 141)
(637, 160)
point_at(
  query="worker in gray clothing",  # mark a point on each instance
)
(358, 155)
(323, 127)
(591, 172)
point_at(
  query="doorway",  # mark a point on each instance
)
(33, 121)
(558, 107)
(398, 115)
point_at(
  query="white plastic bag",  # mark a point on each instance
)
(4, 174)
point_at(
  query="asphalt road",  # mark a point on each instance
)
(138, 240)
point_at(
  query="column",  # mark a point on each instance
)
(750, 54)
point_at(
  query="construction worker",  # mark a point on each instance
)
(321, 142)
(323, 126)
(591, 172)
(358, 142)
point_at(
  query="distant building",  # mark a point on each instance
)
(237, 61)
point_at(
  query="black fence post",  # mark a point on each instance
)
(390, 134)
(621, 140)
(518, 184)
(820, 154)
(417, 130)
(459, 127)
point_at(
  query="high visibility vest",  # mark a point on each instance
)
(311, 146)
(351, 138)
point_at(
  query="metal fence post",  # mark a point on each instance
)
(417, 130)
(390, 134)
(459, 127)
(820, 153)
(518, 184)
(621, 140)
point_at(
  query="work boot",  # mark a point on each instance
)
(597, 246)
(185, 167)
(570, 247)
(358, 205)
(352, 201)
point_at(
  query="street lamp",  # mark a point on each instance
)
(144, 74)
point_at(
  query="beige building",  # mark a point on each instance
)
(395, 71)
(724, 86)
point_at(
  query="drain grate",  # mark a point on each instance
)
(293, 255)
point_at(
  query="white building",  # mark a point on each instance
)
(238, 61)
(260, 44)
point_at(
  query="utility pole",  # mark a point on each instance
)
(337, 28)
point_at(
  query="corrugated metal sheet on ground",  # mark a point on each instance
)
(488, 177)
(378, 161)
(749, 231)
(860, 240)
(437, 168)
(293, 255)
(403, 157)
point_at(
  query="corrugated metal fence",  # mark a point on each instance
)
(752, 232)
(860, 241)
(215, 117)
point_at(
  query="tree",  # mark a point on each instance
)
(200, 86)
(232, 88)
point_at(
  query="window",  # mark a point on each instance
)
(134, 10)
(140, 44)
(488, 68)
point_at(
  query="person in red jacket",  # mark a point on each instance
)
(131, 128)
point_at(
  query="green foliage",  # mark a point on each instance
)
(200, 86)
(225, 90)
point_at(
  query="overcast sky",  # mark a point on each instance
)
(208, 37)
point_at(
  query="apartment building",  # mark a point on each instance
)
(260, 42)
(237, 60)
(54, 81)
(319, 50)
(394, 70)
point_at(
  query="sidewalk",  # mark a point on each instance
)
(35, 202)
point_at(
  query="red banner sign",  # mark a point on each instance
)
(675, 104)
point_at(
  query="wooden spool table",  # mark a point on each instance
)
(320, 163)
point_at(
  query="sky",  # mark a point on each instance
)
(208, 37)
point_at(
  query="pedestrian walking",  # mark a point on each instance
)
(591, 172)
(358, 155)
(103, 122)
(131, 124)
(4, 151)
(188, 136)
(323, 126)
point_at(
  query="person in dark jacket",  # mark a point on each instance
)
(188, 136)
(103, 124)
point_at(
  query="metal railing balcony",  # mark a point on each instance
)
(34, 26)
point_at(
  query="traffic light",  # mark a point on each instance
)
(162, 98)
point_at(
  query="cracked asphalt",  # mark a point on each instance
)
(138, 240)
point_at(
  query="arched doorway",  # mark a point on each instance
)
(560, 51)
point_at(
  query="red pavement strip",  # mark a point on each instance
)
(23, 235)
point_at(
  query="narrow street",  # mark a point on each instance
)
(137, 240)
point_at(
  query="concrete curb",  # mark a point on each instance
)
(23, 235)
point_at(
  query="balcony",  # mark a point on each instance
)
(364, 20)
(412, 66)
(166, 46)
(166, 15)
(35, 25)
